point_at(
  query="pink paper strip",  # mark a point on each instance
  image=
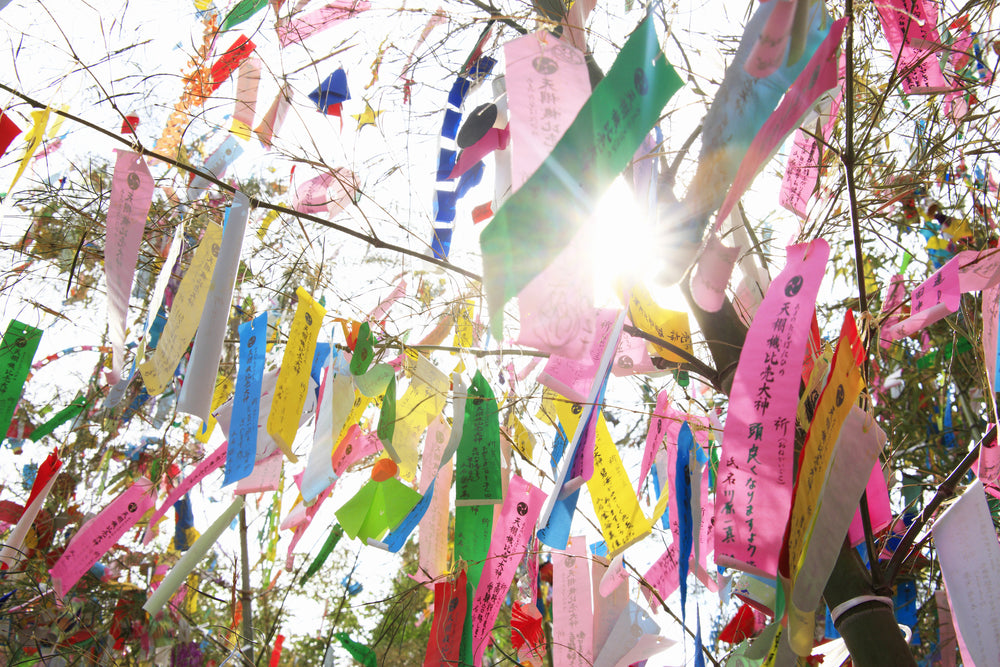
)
(434, 524)
(654, 437)
(101, 533)
(265, 476)
(754, 491)
(911, 30)
(663, 575)
(329, 192)
(510, 537)
(802, 171)
(935, 298)
(131, 197)
(382, 309)
(712, 273)
(573, 377)
(769, 52)
(547, 84)
(557, 306)
(208, 464)
(316, 22)
(632, 356)
(978, 269)
(246, 93)
(355, 445)
(988, 468)
(275, 116)
(818, 77)
(878, 508)
(494, 139)
(572, 613)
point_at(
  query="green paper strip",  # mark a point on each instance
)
(324, 553)
(242, 12)
(477, 476)
(60, 418)
(387, 416)
(360, 652)
(363, 350)
(473, 529)
(541, 218)
(20, 342)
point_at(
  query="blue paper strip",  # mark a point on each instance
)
(242, 449)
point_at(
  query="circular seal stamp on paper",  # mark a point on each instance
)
(625, 361)
(840, 395)
(522, 508)
(567, 54)
(545, 65)
(309, 319)
(639, 79)
(793, 286)
(132, 507)
(133, 180)
(576, 409)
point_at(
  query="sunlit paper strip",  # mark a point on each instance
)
(45, 479)
(131, 197)
(274, 118)
(533, 226)
(34, 138)
(337, 401)
(216, 165)
(423, 400)
(184, 314)
(203, 365)
(758, 442)
(98, 535)
(293, 379)
(242, 451)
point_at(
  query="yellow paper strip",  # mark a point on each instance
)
(293, 379)
(615, 503)
(424, 400)
(669, 325)
(34, 138)
(185, 314)
(224, 388)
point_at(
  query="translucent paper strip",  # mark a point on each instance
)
(203, 364)
(539, 220)
(572, 610)
(315, 22)
(131, 197)
(207, 465)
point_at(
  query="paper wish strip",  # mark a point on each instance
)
(754, 483)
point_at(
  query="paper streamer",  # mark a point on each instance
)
(450, 608)
(337, 396)
(754, 487)
(274, 118)
(572, 611)
(216, 165)
(969, 555)
(100, 534)
(910, 27)
(433, 541)
(13, 547)
(292, 32)
(179, 572)
(478, 456)
(511, 534)
(131, 197)
(423, 400)
(634, 637)
(17, 349)
(203, 364)
(34, 138)
(207, 465)
(515, 246)
(246, 97)
(242, 450)
(293, 380)
(547, 84)
(184, 314)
